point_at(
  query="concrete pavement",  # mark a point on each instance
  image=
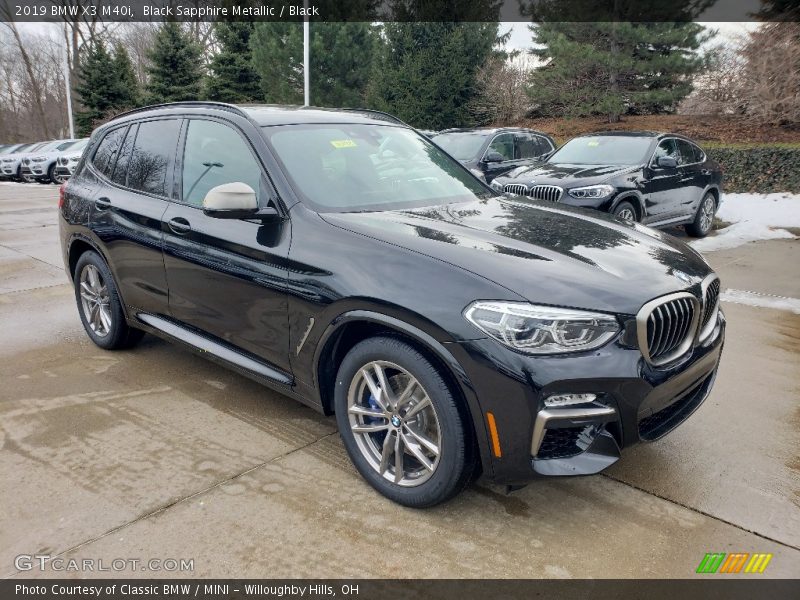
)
(157, 453)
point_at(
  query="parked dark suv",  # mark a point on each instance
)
(660, 179)
(343, 259)
(492, 152)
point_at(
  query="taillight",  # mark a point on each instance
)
(61, 195)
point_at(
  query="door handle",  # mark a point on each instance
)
(179, 225)
(102, 203)
(706, 172)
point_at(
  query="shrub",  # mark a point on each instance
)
(774, 168)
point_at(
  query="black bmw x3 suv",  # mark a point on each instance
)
(342, 259)
(489, 153)
(659, 179)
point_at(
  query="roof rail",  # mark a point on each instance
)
(386, 116)
(186, 104)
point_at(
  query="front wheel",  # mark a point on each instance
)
(401, 424)
(704, 219)
(625, 211)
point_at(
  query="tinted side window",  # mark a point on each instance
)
(504, 144)
(106, 155)
(666, 148)
(527, 146)
(215, 154)
(686, 151)
(543, 146)
(124, 156)
(152, 153)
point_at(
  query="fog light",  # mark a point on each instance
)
(560, 400)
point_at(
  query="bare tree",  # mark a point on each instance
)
(33, 82)
(502, 99)
(31, 111)
(717, 89)
(770, 83)
(138, 39)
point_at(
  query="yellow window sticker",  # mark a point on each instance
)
(593, 143)
(343, 143)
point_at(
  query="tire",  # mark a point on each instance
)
(51, 174)
(704, 218)
(625, 211)
(104, 322)
(430, 411)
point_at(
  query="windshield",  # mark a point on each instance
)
(78, 146)
(462, 145)
(603, 150)
(348, 168)
(23, 148)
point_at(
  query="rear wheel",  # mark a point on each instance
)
(704, 219)
(401, 424)
(99, 304)
(625, 211)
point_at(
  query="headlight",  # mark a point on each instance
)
(592, 191)
(496, 185)
(536, 329)
(478, 174)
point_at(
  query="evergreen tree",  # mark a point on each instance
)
(340, 61)
(175, 70)
(232, 77)
(614, 68)
(129, 94)
(427, 71)
(98, 88)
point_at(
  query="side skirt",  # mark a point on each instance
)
(223, 354)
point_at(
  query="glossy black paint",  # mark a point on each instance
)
(294, 294)
(663, 196)
(491, 169)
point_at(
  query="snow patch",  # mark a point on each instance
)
(738, 234)
(753, 217)
(761, 300)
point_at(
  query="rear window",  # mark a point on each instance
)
(152, 154)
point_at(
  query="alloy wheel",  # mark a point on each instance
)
(707, 214)
(394, 423)
(626, 214)
(95, 301)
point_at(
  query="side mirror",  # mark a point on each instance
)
(236, 200)
(493, 157)
(666, 162)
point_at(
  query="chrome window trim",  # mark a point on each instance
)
(691, 334)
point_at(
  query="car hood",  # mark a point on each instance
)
(566, 174)
(547, 254)
(16, 156)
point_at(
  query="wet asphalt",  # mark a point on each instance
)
(157, 453)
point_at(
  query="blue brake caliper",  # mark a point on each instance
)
(370, 420)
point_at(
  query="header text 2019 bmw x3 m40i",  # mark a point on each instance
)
(344, 260)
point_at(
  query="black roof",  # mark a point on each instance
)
(489, 130)
(273, 114)
(651, 134)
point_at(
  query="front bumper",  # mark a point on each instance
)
(635, 402)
